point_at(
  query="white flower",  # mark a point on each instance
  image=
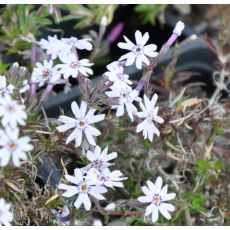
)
(53, 46)
(3, 88)
(24, 86)
(115, 66)
(126, 98)
(116, 75)
(179, 28)
(83, 188)
(6, 215)
(11, 112)
(157, 197)
(149, 112)
(81, 44)
(97, 223)
(13, 147)
(45, 73)
(99, 159)
(72, 66)
(81, 124)
(111, 206)
(105, 177)
(139, 51)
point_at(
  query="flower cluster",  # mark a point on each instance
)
(12, 115)
(92, 180)
(66, 50)
(122, 89)
(12, 145)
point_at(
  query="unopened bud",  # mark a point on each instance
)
(104, 21)
(179, 28)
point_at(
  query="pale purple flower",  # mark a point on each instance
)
(81, 124)
(45, 73)
(83, 188)
(117, 76)
(99, 159)
(106, 177)
(149, 113)
(138, 51)
(127, 97)
(11, 112)
(3, 86)
(54, 46)
(6, 216)
(81, 44)
(157, 196)
(13, 147)
(72, 66)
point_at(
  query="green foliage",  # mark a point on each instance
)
(218, 128)
(146, 144)
(3, 67)
(88, 14)
(21, 20)
(203, 165)
(138, 221)
(132, 186)
(195, 199)
(148, 13)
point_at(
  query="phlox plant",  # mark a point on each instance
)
(87, 186)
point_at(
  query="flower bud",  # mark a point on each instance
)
(178, 28)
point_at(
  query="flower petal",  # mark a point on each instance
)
(144, 199)
(158, 184)
(149, 209)
(164, 212)
(75, 109)
(155, 214)
(169, 196)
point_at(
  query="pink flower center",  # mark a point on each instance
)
(74, 65)
(10, 108)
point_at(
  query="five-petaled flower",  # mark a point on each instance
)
(149, 112)
(53, 46)
(45, 73)
(72, 66)
(139, 51)
(81, 124)
(127, 97)
(13, 147)
(83, 188)
(11, 112)
(6, 216)
(106, 177)
(117, 76)
(99, 159)
(157, 196)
